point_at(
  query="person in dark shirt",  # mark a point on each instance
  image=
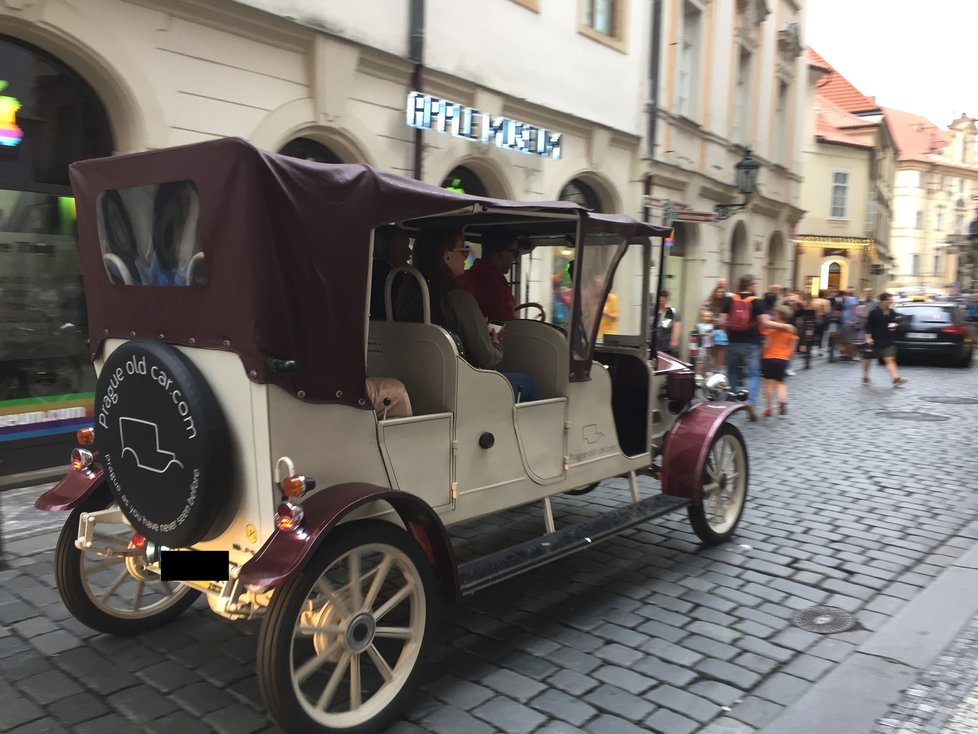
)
(881, 326)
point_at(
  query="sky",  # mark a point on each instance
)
(913, 55)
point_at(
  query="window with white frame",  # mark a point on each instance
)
(688, 69)
(919, 224)
(959, 224)
(915, 265)
(940, 222)
(840, 194)
(937, 264)
(742, 101)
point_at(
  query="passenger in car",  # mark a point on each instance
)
(486, 279)
(439, 255)
(392, 248)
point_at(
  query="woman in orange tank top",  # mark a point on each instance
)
(778, 348)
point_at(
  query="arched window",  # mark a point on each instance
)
(464, 181)
(310, 150)
(580, 193)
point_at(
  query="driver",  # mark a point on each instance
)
(486, 279)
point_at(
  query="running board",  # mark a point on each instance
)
(501, 565)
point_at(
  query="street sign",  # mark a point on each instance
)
(691, 216)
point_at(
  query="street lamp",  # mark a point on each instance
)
(746, 184)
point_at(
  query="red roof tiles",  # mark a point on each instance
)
(836, 88)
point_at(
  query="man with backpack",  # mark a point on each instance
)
(743, 315)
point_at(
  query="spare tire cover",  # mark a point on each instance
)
(163, 442)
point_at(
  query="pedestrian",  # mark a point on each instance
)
(742, 315)
(822, 307)
(778, 346)
(881, 325)
(710, 317)
(670, 326)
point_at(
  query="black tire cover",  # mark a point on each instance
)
(163, 442)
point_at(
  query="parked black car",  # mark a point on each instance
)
(935, 330)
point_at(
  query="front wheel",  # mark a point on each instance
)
(113, 594)
(343, 642)
(723, 492)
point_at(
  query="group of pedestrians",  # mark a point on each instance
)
(758, 336)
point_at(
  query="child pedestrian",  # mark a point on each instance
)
(778, 346)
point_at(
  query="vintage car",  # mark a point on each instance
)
(243, 447)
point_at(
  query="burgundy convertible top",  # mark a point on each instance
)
(286, 243)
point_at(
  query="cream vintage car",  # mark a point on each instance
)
(242, 446)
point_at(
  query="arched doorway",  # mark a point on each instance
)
(310, 150)
(834, 274)
(739, 255)
(464, 180)
(776, 266)
(49, 118)
(581, 193)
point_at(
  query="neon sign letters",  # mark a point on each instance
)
(10, 133)
(430, 113)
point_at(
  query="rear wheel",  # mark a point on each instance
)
(112, 594)
(343, 642)
(723, 491)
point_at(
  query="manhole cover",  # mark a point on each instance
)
(823, 620)
(950, 400)
(912, 416)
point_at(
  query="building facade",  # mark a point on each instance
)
(434, 91)
(849, 163)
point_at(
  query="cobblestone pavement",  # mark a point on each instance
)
(859, 498)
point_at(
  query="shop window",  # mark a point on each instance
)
(463, 180)
(604, 21)
(149, 235)
(580, 193)
(310, 150)
(49, 118)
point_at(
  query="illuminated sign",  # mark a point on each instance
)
(10, 134)
(430, 113)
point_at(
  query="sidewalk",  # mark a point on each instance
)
(918, 673)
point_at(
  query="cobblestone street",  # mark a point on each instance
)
(860, 497)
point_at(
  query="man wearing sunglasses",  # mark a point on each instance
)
(486, 279)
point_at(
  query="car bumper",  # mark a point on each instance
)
(952, 350)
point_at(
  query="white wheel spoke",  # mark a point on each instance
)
(167, 588)
(140, 584)
(115, 585)
(326, 697)
(356, 690)
(308, 630)
(315, 663)
(400, 596)
(710, 489)
(323, 586)
(395, 633)
(356, 580)
(381, 576)
(382, 667)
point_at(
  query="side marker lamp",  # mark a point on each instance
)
(85, 436)
(81, 459)
(296, 485)
(288, 517)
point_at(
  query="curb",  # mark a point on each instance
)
(861, 690)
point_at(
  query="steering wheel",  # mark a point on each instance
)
(532, 304)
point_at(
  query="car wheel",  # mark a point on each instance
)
(965, 361)
(343, 642)
(118, 596)
(723, 488)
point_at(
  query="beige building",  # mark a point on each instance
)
(524, 99)
(734, 79)
(935, 188)
(849, 163)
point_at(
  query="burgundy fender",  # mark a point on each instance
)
(75, 488)
(686, 446)
(286, 553)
